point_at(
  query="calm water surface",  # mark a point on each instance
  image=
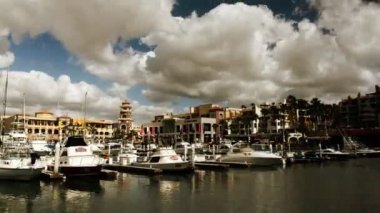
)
(350, 186)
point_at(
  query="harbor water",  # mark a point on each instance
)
(344, 186)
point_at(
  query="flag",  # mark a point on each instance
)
(198, 127)
(142, 131)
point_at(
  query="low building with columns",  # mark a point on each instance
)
(46, 124)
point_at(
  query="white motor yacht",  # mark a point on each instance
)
(243, 153)
(127, 155)
(77, 158)
(332, 154)
(167, 160)
(15, 137)
(40, 146)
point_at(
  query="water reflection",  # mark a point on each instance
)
(83, 184)
(17, 189)
(18, 196)
(170, 186)
(299, 188)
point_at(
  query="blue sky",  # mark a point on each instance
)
(273, 37)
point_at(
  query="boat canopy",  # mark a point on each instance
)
(75, 141)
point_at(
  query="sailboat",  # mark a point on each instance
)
(17, 162)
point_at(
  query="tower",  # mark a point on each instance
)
(125, 118)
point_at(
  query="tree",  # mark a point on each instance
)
(264, 118)
(223, 127)
(215, 126)
(316, 112)
(291, 109)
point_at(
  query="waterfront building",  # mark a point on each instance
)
(169, 128)
(46, 124)
(362, 111)
(41, 124)
(96, 129)
(125, 118)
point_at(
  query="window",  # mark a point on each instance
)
(207, 127)
(154, 160)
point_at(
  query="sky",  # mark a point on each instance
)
(166, 55)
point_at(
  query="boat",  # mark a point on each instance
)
(127, 155)
(309, 156)
(77, 159)
(359, 149)
(367, 152)
(112, 148)
(15, 137)
(40, 146)
(16, 159)
(19, 163)
(182, 147)
(220, 149)
(167, 160)
(331, 154)
(244, 153)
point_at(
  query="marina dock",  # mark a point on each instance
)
(52, 176)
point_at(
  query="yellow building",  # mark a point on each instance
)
(211, 111)
(47, 125)
(97, 129)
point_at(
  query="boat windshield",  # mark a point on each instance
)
(75, 141)
(18, 155)
(113, 146)
(260, 147)
(154, 160)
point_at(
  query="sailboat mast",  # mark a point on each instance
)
(4, 107)
(84, 113)
(23, 112)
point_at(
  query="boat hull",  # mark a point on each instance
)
(368, 154)
(79, 171)
(333, 156)
(255, 161)
(20, 174)
(178, 167)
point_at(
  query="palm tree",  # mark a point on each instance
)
(291, 109)
(316, 112)
(302, 106)
(264, 118)
(223, 127)
(215, 126)
(132, 135)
